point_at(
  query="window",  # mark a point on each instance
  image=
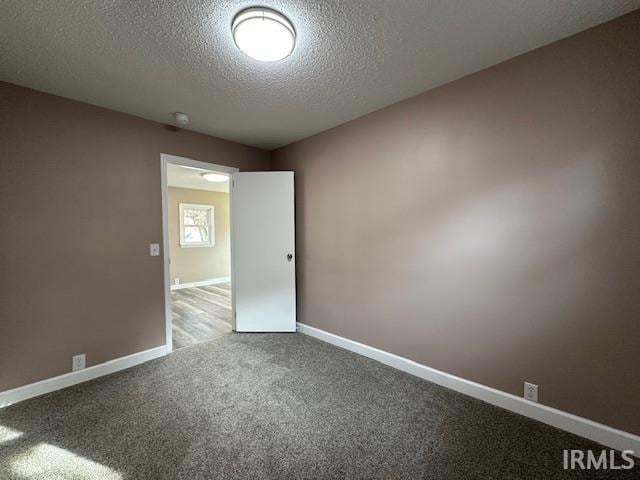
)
(196, 225)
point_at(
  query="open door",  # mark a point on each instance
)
(263, 242)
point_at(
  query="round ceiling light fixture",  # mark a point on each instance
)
(214, 177)
(263, 34)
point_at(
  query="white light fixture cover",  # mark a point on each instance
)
(263, 34)
(214, 177)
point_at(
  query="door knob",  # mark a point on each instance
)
(289, 257)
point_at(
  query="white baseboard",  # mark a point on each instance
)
(202, 283)
(15, 395)
(582, 427)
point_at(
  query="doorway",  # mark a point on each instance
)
(196, 206)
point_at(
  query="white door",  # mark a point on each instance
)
(263, 249)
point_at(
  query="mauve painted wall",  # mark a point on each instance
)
(80, 203)
(490, 228)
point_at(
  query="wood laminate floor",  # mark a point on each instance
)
(200, 314)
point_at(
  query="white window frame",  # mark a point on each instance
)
(212, 236)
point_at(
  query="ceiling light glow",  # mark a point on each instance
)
(214, 177)
(263, 34)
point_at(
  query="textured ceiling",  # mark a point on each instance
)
(151, 58)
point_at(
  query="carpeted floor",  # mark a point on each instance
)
(274, 406)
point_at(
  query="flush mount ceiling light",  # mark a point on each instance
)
(263, 34)
(214, 177)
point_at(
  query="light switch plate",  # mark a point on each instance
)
(154, 249)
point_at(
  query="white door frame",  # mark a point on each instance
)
(166, 159)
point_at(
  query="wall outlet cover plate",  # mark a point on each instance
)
(78, 362)
(531, 391)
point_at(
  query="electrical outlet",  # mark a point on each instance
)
(78, 362)
(531, 391)
(176, 281)
(154, 249)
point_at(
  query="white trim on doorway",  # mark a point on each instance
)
(203, 283)
(166, 159)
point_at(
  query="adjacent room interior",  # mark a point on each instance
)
(319, 240)
(199, 254)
